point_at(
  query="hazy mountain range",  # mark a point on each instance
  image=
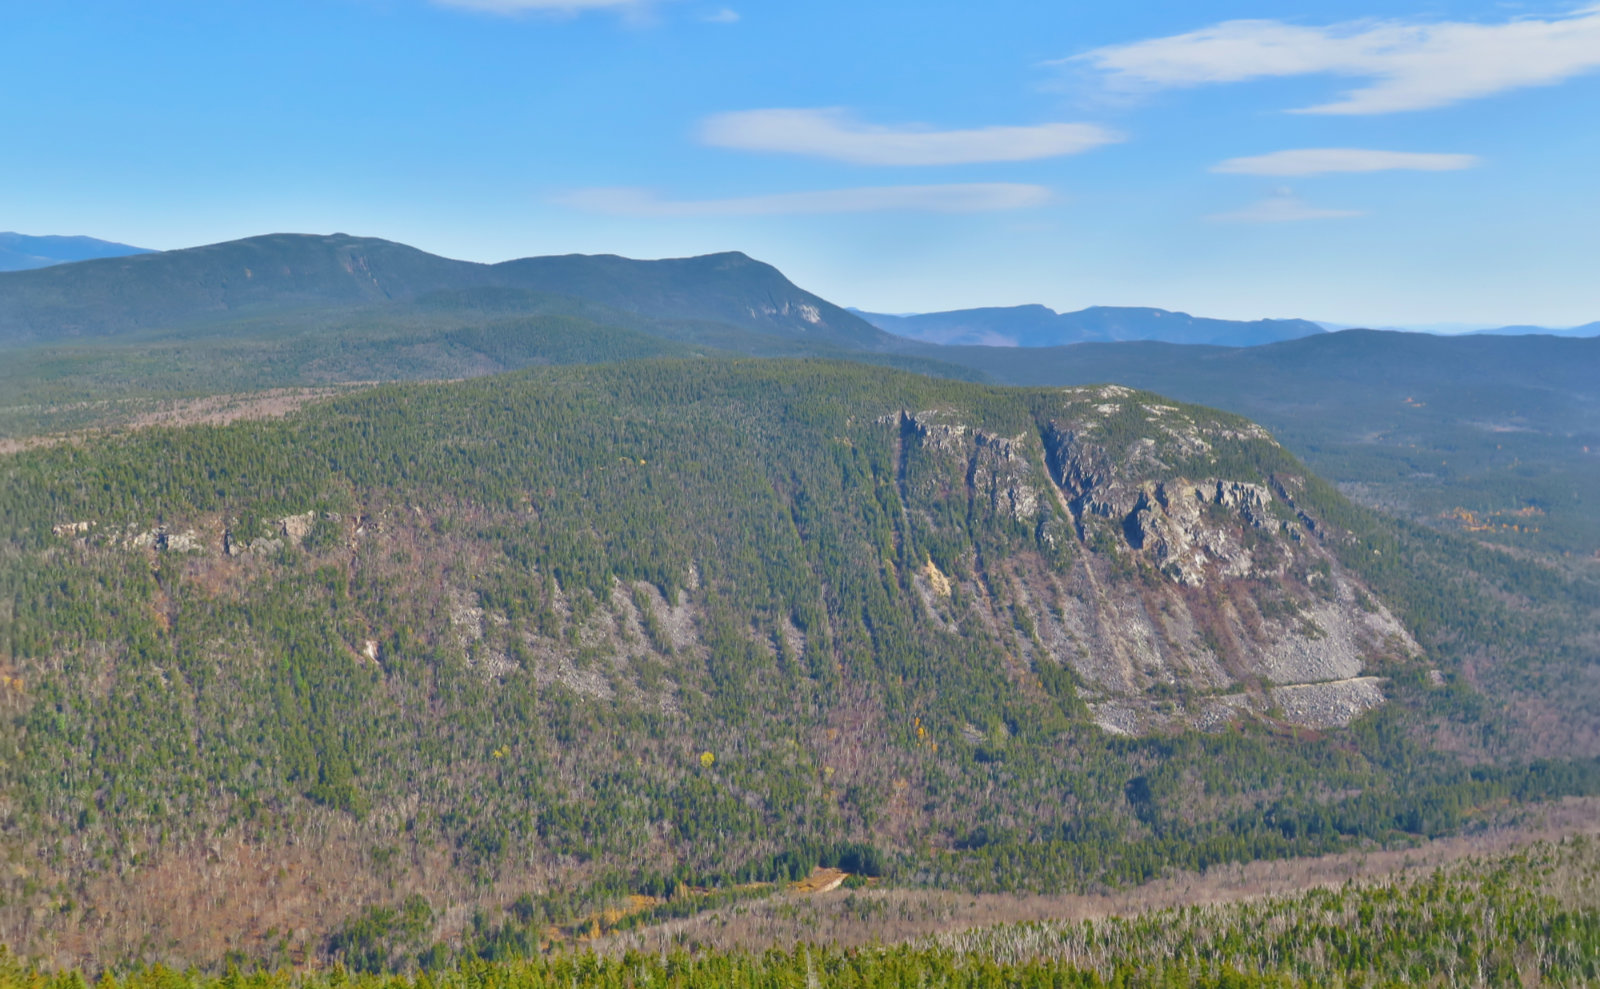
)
(406, 274)
(1474, 329)
(1040, 326)
(19, 252)
(1586, 330)
(294, 273)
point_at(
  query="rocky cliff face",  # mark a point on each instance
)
(1160, 555)
(1199, 590)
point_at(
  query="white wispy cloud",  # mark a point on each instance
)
(1406, 65)
(973, 197)
(541, 6)
(726, 15)
(1283, 206)
(1324, 161)
(832, 133)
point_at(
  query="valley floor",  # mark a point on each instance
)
(1514, 906)
(848, 918)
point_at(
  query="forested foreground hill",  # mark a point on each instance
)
(1527, 918)
(465, 664)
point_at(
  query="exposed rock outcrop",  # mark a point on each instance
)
(161, 539)
(1001, 472)
(1200, 590)
(296, 528)
(289, 530)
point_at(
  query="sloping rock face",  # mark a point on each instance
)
(1175, 572)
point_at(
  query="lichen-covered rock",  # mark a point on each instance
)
(187, 541)
(296, 528)
(163, 540)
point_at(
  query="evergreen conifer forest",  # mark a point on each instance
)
(428, 673)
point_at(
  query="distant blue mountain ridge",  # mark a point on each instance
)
(20, 252)
(1586, 330)
(1040, 326)
(999, 326)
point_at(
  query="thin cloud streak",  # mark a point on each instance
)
(1324, 161)
(976, 197)
(1410, 66)
(510, 7)
(1283, 207)
(831, 133)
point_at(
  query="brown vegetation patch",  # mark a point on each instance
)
(219, 410)
(821, 881)
(878, 915)
(206, 410)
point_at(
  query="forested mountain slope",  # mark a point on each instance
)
(301, 278)
(525, 643)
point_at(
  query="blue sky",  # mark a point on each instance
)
(1363, 162)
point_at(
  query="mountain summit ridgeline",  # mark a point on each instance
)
(285, 274)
